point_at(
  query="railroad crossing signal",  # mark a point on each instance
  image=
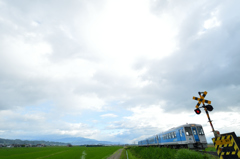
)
(227, 145)
(206, 108)
(201, 99)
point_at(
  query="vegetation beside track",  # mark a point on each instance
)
(123, 155)
(165, 153)
(210, 148)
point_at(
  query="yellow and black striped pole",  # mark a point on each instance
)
(202, 100)
(209, 120)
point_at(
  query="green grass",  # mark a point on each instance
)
(210, 148)
(188, 154)
(75, 152)
(123, 155)
(166, 153)
(153, 152)
(130, 155)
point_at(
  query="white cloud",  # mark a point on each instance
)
(109, 115)
(211, 23)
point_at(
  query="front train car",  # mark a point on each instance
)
(185, 136)
(195, 137)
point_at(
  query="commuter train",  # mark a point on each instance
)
(185, 136)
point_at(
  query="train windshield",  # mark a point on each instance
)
(200, 130)
(188, 131)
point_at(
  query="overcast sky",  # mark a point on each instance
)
(117, 70)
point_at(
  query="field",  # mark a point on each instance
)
(77, 152)
(61, 152)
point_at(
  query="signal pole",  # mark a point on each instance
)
(206, 108)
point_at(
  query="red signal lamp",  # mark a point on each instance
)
(197, 111)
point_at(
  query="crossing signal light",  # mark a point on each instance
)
(209, 107)
(197, 111)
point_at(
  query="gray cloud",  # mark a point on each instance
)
(205, 62)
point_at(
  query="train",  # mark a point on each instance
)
(184, 136)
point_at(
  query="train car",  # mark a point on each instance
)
(185, 136)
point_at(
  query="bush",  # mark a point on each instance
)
(188, 154)
(167, 153)
(153, 152)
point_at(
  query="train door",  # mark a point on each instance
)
(195, 134)
(189, 135)
(159, 139)
(201, 135)
(181, 135)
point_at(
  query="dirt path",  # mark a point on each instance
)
(116, 155)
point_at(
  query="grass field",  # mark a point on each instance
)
(78, 152)
(75, 152)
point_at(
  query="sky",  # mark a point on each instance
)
(115, 70)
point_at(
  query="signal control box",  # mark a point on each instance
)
(227, 146)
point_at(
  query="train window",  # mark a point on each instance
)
(188, 131)
(180, 131)
(194, 132)
(151, 140)
(174, 133)
(200, 130)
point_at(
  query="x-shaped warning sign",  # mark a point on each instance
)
(201, 99)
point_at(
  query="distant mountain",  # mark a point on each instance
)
(32, 142)
(84, 141)
(57, 140)
(74, 140)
